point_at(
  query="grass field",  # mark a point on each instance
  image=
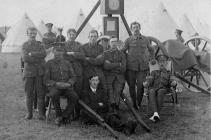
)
(192, 120)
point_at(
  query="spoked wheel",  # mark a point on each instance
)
(157, 46)
(199, 45)
(196, 77)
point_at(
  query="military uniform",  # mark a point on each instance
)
(179, 38)
(60, 71)
(159, 85)
(114, 73)
(94, 64)
(138, 52)
(48, 39)
(75, 60)
(60, 38)
(115, 120)
(33, 54)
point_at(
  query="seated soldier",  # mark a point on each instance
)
(60, 78)
(96, 98)
(159, 83)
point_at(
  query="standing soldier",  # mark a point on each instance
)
(93, 60)
(74, 54)
(33, 54)
(49, 38)
(60, 37)
(139, 52)
(115, 66)
(178, 34)
(60, 78)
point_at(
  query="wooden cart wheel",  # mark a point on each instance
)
(158, 46)
(194, 74)
(199, 43)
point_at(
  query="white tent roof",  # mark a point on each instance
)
(42, 28)
(187, 27)
(160, 24)
(83, 36)
(17, 35)
(202, 28)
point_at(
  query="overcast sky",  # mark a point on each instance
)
(64, 12)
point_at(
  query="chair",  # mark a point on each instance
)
(63, 101)
(172, 90)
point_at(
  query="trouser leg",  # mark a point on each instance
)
(40, 95)
(78, 86)
(35, 99)
(55, 98)
(160, 97)
(118, 88)
(141, 76)
(29, 90)
(131, 80)
(153, 100)
(72, 99)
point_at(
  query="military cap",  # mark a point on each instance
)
(162, 57)
(49, 24)
(103, 37)
(60, 29)
(179, 31)
(59, 46)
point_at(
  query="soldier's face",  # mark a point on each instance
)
(93, 38)
(49, 29)
(113, 43)
(32, 34)
(94, 81)
(135, 29)
(71, 36)
(162, 64)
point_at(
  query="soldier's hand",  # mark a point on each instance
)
(100, 104)
(107, 61)
(87, 58)
(30, 54)
(70, 53)
(145, 84)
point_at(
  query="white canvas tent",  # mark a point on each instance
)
(187, 27)
(17, 35)
(203, 29)
(42, 28)
(83, 36)
(160, 24)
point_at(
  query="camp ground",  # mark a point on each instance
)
(187, 116)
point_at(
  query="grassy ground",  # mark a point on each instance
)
(191, 122)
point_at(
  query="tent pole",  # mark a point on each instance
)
(126, 24)
(88, 18)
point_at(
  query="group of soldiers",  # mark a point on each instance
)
(88, 72)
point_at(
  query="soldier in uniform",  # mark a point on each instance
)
(33, 54)
(74, 54)
(93, 60)
(178, 34)
(96, 98)
(115, 66)
(139, 52)
(60, 78)
(49, 38)
(158, 84)
(60, 37)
